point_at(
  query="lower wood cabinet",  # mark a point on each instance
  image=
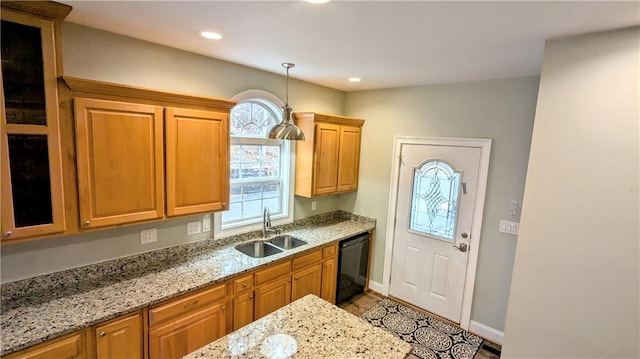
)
(329, 273)
(272, 296)
(187, 323)
(182, 325)
(121, 338)
(70, 346)
(306, 281)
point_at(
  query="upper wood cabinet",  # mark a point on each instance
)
(197, 161)
(143, 154)
(120, 158)
(30, 155)
(328, 161)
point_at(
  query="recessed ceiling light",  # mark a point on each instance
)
(210, 35)
(354, 79)
(317, 1)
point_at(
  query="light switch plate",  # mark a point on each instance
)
(148, 236)
(314, 205)
(206, 225)
(194, 228)
(509, 227)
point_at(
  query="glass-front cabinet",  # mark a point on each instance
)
(30, 163)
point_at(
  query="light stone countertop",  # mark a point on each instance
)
(310, 327)
(43, 308)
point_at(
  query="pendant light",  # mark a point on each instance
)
(286, 130)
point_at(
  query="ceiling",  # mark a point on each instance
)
(386, 43)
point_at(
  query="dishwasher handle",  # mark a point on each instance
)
(354, 241)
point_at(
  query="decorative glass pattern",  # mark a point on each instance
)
(434, 200)
(252, 119)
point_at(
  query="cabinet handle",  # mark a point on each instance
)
(245, 285)
(86, 223)
(103, 333)
(189, 305)
(8, 233)
(250, 297)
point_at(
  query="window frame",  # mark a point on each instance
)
(287, 172)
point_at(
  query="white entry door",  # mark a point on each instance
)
(437, 188)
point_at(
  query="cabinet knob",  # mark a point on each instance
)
(224, 307)
(224, 205)
(250, 297)
(8, 233)
(245, 284)
(103, 333)
(86, 223)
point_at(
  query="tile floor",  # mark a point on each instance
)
(360, 303)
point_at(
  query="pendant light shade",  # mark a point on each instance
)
(286, 130)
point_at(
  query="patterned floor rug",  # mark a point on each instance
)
(431, 338)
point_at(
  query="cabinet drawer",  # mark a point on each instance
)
(272, 272)
(71, 346)
(329, 252)
(307, 259)
(185, 304)
(242, 284)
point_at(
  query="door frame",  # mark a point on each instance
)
(484, 144)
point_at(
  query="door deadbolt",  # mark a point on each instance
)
(463, 247)
(464, 235)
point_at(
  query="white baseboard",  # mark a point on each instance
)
(376, 287)
(486, 332)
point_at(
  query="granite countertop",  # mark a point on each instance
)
(42, 308)
(310, 327)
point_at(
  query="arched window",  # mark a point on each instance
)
(260, 167)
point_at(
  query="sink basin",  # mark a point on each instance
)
(258, 249)
(287, 242)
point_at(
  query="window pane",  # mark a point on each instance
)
(236, 155)
(252, 119)
(251, 192)
(273, 204)
(30, 180)
(252, 209)
(434, 203)
(271, 190)
(235, 194)
(22, 74)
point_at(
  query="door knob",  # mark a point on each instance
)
(463, 247)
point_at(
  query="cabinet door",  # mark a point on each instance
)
(197, 161)
(120, 339)
(272, 296)
(306, 281)
(120, 161)
(325, 171)
(31, 164)
(242, 310)
(348, 158)
(177, 338)
(68, 347)
(329, 279)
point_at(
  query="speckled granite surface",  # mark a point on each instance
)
(307, 328)
(38, 309)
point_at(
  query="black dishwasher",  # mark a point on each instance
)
(353, 260)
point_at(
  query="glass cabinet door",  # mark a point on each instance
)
(32, 200)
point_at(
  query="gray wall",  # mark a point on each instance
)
(575, 279)
(98, 55)
(502, 110)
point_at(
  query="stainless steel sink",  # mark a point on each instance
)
(286, 241)
(258, 249)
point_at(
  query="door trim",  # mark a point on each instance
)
(484, 144)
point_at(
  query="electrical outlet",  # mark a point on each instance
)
(206, 225)
(194, 228)
(314, 205)
(148, 236)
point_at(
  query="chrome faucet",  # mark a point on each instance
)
(266, 224)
